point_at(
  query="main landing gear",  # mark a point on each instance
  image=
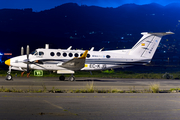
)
(71, 78)
(62, 78)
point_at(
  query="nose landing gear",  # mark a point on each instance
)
(9, 76)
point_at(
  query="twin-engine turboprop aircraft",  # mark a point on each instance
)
(66, 61)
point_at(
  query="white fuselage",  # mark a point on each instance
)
(95, 60)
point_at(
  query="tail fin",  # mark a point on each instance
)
(147, 45)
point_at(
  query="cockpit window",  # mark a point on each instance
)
(34, 52)
(41, 53)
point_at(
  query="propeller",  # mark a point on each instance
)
(28, 62)
(27, 52)
(22, 51)
(35, 63)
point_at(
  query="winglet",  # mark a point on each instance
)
(84, 55)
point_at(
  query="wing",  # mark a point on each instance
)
(75, 63)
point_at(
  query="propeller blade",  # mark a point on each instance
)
(27, 52)
(40, 66)
(22, 51)
(28, 68)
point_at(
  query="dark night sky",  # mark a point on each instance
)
(39, 5)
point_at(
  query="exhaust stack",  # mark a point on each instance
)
(47, 46)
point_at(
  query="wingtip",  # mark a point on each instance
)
(84, 55)
(170, 33)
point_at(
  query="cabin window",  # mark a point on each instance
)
(64, 54)
(41, 53)
(108, 56)
(58, 54)
(76, 55)
(52, 53)
(88, 55)
(70, 54)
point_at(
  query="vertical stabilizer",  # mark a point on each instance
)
(148, 44)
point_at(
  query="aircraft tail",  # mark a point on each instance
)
(147, 45)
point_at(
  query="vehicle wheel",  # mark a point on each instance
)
(62, 78)
(71, 78)
(8, 77)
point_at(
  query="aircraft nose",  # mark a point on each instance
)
(7, 62)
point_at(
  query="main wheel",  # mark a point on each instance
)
(8, 77)
(71, 78)
(62, 78)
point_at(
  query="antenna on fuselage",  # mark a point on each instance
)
(22, 51)
(69, 48)
(92, 49)
(101, 49)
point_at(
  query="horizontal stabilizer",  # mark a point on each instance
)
(158, 34)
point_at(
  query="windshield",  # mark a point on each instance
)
(34, 53)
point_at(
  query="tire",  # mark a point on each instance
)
(8, 77)
(62, 78)
(71, 78)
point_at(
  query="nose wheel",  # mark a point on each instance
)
(9, 76)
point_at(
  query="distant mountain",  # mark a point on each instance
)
(173, 5)
(84, 26)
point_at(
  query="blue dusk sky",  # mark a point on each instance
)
(40, 5)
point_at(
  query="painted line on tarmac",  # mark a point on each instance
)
(53, 104)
